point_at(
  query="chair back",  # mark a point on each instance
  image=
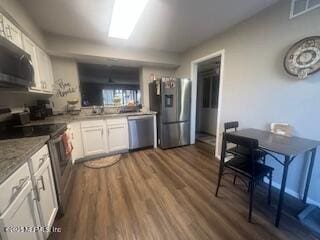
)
(231, 125)
(249, 143)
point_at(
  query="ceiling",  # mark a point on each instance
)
(168, 25)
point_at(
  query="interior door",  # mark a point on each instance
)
(21, 213)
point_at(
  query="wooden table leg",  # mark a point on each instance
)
(313, 156)
(282, 190)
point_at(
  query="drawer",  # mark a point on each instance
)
(10, 188)
(92, 123)
(117, 121)
(39, 158)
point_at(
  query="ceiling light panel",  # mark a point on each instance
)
(125, 16)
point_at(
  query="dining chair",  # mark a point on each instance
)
(244, 165)
(233, 127)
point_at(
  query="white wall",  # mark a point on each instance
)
(256, 89)
(66, 78)
(145, 79)
(85, 50)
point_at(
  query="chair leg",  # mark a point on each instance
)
(249, 186)
(234, 179)
(270, 188)
(219, 180)
(251, 200)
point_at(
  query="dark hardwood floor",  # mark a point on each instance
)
(156, 194)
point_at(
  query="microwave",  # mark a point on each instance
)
(16, 70)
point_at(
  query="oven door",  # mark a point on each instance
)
(62, 169)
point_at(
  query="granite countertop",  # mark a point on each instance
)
(15, 152)
(67, 118)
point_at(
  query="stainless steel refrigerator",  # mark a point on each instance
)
(171, 99)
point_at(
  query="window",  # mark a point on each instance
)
(299, 7)
(100, 84)
(126, 96)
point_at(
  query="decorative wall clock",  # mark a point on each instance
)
(303, 58)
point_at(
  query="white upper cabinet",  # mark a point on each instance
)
(45, 71)
(94, 137)
(118, 137)
(31, 48)
(12, 33)
(2, 33)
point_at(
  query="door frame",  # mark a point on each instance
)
(194, 80)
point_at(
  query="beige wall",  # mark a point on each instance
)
(145, 79)
(256, 89)
(16, 12)
(66, 78)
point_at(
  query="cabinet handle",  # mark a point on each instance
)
(16, 189)
(9, 35)
(41, 161)
(42, 184)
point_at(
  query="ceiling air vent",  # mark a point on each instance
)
(299, 7)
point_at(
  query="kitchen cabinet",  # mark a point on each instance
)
(117, 132)
(45, 71)
(46, 195)
(94, 137)
(18, 207)
(2, 33)
(74, 129)
(21, 213)
(11, 32)
(31, 48)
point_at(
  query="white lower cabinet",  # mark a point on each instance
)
(118, 137)
(46, 195)
(22, 212)
(28, 200)
(94, 137)
(74, 129)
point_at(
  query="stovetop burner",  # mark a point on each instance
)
(33, 131)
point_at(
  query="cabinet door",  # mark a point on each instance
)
(47, 198)
(49, 78)
(21, 213)
(45, 71)
(12, 33)
(93, 140)
(31, 48)
(2, 33)
(76, 139)
(118, 138)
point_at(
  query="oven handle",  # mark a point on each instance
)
(56, 140)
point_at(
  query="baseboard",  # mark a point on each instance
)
(293, 193)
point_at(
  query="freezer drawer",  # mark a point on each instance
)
(175, 134)
(141, 132)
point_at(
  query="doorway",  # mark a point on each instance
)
(207, 82)
(208, 76)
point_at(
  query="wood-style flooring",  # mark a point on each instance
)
(156, 194)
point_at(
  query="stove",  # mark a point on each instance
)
(52, 130)
(61, 161)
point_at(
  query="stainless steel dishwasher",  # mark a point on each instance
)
(141, 131)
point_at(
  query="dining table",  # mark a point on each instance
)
(289, 147)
